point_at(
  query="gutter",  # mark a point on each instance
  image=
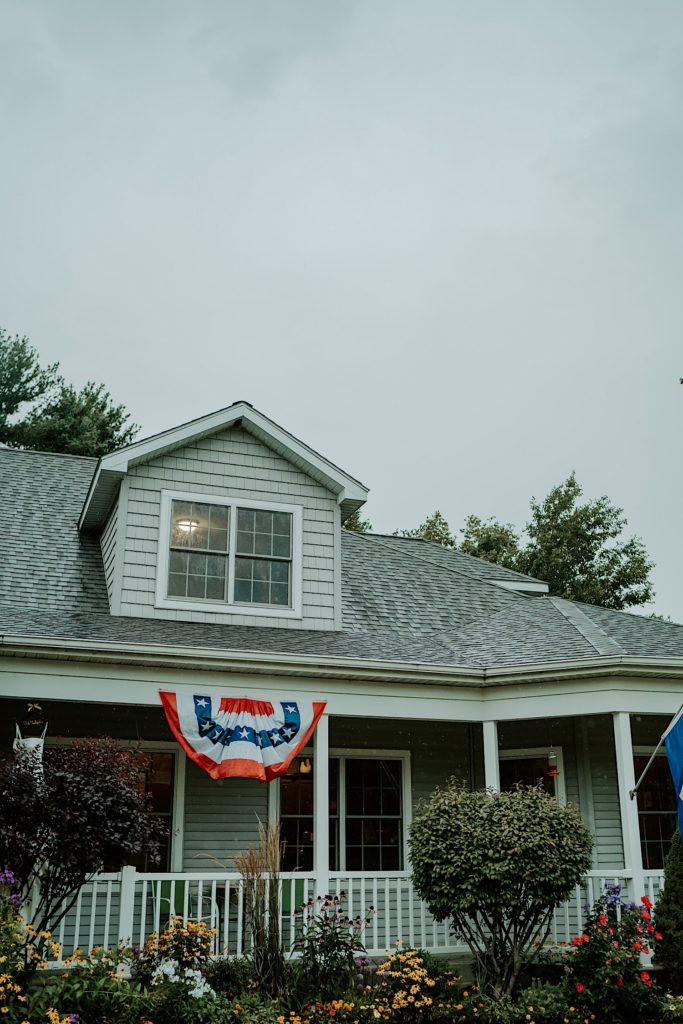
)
(307, 666)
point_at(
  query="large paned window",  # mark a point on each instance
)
(229, 554)
(656, 809)
(367, 814)
(532, 767)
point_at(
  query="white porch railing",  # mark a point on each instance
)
(127, 906)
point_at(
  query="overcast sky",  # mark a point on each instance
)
(441, 242)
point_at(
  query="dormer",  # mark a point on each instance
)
(226, 519)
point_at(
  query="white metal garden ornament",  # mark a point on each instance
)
(29, 749)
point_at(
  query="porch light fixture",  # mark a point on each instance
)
(305, 766)
(552, 770)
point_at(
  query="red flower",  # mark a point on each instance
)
(602, 919)
(647, 902)
(658, 935)
(645, 978)
(620, 983)
(580, 987)
(645, 915)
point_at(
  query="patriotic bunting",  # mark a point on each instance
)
(236, 736)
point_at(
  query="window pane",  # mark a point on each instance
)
(245, 543)
(262, 544)
(197, 576)
(245, 519)
(263, 522)
(198, 525)
(243, 590)
(265, 577)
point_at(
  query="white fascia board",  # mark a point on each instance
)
(346, 487)
(522, 586)
(139, 686)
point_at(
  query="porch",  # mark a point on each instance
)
(345, 807)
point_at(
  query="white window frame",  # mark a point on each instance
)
(342, 754)
(179, 772)
(521, 753)
(229, 607)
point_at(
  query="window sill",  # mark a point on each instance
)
(228, 610)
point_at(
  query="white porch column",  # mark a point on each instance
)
(628, 807)
(321, 808)
(491, 762)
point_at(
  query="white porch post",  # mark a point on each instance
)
(491, 762)
(321, 809)
(628, 807)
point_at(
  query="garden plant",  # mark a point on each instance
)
(496, 865)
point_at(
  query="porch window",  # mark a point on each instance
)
(657, 813)
(366, 814)
(530, 768)
(157, 771)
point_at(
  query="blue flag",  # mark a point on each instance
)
(673, 738)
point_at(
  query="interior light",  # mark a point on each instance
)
(305, 766)
(187, 525)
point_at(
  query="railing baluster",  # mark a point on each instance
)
(387, 915)
(77, 921)
(107, 913)
(399, 911)
(93, 913)
(375, 915)
(240, 915)
(143, 913)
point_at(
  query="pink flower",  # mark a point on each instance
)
(580, 987)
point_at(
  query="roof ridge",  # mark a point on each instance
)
(587, 627)
(445, 568)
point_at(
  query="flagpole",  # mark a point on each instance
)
(644, 772)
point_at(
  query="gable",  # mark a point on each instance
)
(229, 466)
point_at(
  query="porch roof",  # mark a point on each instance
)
(405, 601)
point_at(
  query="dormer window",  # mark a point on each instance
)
(229, 554)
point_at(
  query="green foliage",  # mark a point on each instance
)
(94, 987)
(670, 917)
(576, 549)
(434, 528)
(356, 524)
(22, 379)
(39, 410)
(328, 943)
(604, 970)
(497, 864)
(82, 422)
(490, 540)
(174, 1003)
(229, 975)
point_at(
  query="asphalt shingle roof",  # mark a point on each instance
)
(404, 600)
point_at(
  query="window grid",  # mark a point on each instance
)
(657, 810)
(366, 820)
(231, 554)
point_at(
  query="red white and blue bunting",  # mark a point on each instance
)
(236, 736)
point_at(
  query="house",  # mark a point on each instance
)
(431, 663)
